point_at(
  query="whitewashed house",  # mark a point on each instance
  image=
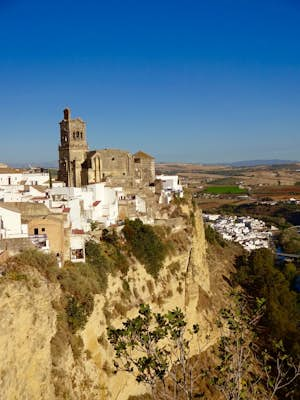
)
(11, 225)
(170, 187)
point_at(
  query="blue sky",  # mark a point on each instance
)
(192, 81)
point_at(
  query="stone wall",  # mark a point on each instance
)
(14, 246)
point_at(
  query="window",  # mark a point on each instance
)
(36, 231)
(43, 229)
(113, 159)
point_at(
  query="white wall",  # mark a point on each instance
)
(11, 226)
(10, 178)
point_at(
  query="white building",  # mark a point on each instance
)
(11, 225)
(95, 202)
(12, 176)
(248, 232)
(170, 187)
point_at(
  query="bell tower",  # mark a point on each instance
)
(72, 149)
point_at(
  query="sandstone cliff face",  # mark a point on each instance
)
(187, 286)
(28, 321)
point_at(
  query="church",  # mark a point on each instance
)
(79, 166)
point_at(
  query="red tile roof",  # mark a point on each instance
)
(96, 203)
(66, 210)
(77, 231)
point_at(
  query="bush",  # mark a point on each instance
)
(213, 237)
(146, 245)
(78, 312)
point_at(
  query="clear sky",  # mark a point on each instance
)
(192, 81)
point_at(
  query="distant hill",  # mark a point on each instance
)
(253, 163)
(42, 164)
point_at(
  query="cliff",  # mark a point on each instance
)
(33, 366)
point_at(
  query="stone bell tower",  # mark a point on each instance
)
(72, 150)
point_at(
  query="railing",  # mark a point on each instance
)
(42, 236)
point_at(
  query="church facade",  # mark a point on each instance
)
(78, 166)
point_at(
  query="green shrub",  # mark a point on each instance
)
(146, 245)
(78, 312)
(213, 237)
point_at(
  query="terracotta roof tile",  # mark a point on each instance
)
(77, 231)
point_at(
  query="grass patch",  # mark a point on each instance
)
(225, 190)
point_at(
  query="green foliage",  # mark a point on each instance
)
(281, 371)
(260, 278)
(145, 245)
(104, 259)
(225, 190)
(153, 346)
(290, 271)
(15, 276)
(289, 240)
(213, 237)
(110, 236)
(244, 371)
(233, 375)
(94, 225)
(78, 312)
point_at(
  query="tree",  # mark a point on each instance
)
(244, 371)
(154, 347)
(281, 371)
(233, 376)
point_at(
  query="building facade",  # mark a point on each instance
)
(78, 166)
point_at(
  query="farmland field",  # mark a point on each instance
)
(225, 190)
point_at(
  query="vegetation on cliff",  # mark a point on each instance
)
(145, 245)
(259, 276)
(155, 349)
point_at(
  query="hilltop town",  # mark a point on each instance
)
(93, 190)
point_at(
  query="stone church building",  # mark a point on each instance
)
(78, 166)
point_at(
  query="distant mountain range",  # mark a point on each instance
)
(247, 163)
(42, 164)
(254, 163)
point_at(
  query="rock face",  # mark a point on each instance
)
(28, 323)
(28, 320)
